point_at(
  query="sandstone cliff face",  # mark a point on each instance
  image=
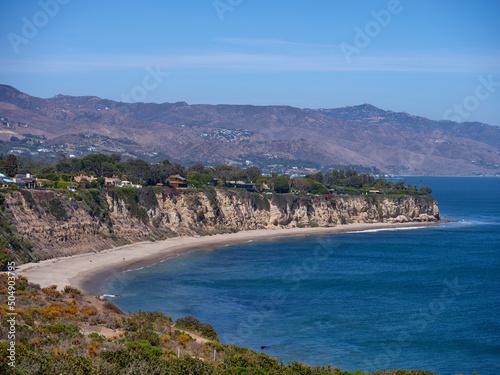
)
(61, 224)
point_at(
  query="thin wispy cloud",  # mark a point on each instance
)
(270, 43)
(251, 63)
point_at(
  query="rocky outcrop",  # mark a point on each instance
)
(63, 224)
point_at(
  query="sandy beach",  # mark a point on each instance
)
(88, 271)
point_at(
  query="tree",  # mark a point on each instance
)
(354, 181)
(11, 167)
(316, 177)
(203, 179)
(193, 184)
(400, 185)
(66, 177)
(157, 174)
(252, 173)
(318, 188)
(229, 173)
(116, 157)
(76, 165)
(426, 189)
(108, 169)
(176, 168)
(137, 170)
(261, 179)
(198, 168)
(99, 163)
(194, 175)
(282, 184)
(63, 167)
(302, 184)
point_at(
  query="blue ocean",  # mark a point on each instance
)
(426, 298)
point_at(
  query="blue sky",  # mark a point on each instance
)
(438, 59)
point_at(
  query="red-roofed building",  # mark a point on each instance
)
(112, 181)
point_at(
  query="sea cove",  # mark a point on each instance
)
(413, 298)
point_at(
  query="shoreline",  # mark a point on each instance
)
(89, 271)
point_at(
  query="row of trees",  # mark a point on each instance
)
(347, 178)
(136, 171)
(144, 173)
(351, 179)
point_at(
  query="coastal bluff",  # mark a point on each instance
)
(58, 223)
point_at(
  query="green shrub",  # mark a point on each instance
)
(318, 188)
(282, 184)
(192, 324)
(259, 202)
(194, 183)
(426, 190)
(129, 195)
(94, 202)
(313, 224)
(111, 306)
(61, 184)
(147, 197)
(13, 246)
(97, 337)
(70, 289)
(57, 210)
(29, 199)
(212, 196)
(67, 329)
(145, 348)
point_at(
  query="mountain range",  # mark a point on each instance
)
(363, 135)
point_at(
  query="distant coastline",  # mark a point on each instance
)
(89, 271)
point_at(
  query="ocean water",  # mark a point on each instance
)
(426, 298)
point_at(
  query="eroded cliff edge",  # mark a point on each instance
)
(58, 224)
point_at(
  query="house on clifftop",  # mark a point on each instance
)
(242, 185)
(177, 181)
(112, 181)
(25, 181)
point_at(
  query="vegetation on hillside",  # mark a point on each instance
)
(62, 173)
(11, 242)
